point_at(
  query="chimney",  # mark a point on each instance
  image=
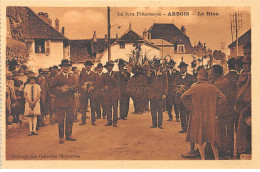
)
(105, 37)
(94, 37)
(183, 29)
(63, 30)
(145, 34)
(149, 36)
(44, 16)
(57, 24)
(50, 22)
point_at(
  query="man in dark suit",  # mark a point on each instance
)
(111, 90)
(171, 75)
(183, 81)
(157, 91)
(63, 87)
(122, 77)
(86, 79)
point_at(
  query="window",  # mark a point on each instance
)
(122, 45)
(180, 49)
(39, 46)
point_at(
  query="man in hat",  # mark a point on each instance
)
(44, 84)
(225, 119)
(86, 79)
(63, 87)
(157, 91)
(96, 91)
(183, 81)
(76, 74)
(111, 87)
(171, 75)
(122, 77)
(243, 101)
(203, 100)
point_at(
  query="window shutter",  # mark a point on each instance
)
(47, 47)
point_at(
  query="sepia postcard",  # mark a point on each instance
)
(120, 84)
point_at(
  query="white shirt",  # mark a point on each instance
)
(66, 75)
(88, 72)
(184, 75)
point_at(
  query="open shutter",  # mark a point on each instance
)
(47, 47)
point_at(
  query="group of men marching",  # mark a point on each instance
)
(67, 91)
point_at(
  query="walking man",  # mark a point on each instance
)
(64, 88)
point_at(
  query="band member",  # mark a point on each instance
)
(182, 82)
(76, 74)
(171, 75)
(137, 89)
(64, 88)
(123, 76)
(157, 91)
(111, 90)
(96, 91)
(86, 78)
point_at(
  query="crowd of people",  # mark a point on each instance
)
(211, 106)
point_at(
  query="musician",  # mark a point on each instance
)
(96, 92)
(63, 87)
(111, 87)
(86, 78)
(123, 76)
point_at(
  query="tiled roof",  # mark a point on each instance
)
(171, 33)
(130, 36)
(160, 42)
(39, 29)
(244, 39)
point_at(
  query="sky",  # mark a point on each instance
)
(81, 22)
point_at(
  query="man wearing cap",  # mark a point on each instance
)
(157, 91)
(122, 77)
(86, 79)
(63, 87)
(203, 100)
(111, 87)
(182, 80)
(44, 84)
(171, 75)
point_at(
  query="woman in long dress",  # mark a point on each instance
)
(32, 94)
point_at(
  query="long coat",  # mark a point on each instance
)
(223, 85)
(203, 100)
(64, 100)
(112, 83)
(158, 85)
(86, 77)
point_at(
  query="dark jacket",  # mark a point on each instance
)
(158, 85)
(171, 78)
(67, 99)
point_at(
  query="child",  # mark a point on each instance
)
(32, 94)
